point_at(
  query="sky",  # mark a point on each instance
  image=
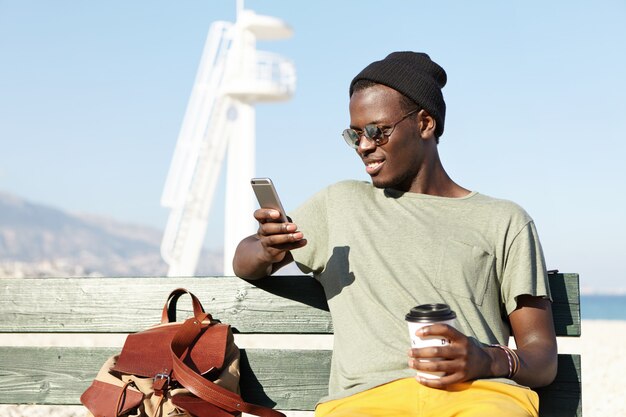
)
(92, 96)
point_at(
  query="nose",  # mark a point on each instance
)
(366, 145)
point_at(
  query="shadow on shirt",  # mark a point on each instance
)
(337, 275)
(306, 289)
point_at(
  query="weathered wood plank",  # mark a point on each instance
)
(563, 398)
(278, 304)
(566, 304)
(283, 379)
(121, 305)
(48, 375)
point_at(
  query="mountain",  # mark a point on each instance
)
(38, 240)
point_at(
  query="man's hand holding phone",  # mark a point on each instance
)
(262, 254)
(277, 236)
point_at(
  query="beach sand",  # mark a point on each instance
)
(602, 346)
(603, 349)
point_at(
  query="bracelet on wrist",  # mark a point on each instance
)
(512, 359)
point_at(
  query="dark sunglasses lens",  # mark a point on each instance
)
(351, 138)
(373, 132)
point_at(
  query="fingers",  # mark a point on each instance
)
(458, 360)
(444, 371)
(280, 236)
(275, 236)
(267, 229)
(442, 382)
(270, 224)
(442, 330)
(267, 215)
(284, 241)
(439, 364)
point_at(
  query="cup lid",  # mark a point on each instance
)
(430, 313)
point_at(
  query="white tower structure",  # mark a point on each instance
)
(220, 120)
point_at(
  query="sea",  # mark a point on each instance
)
(603, 307)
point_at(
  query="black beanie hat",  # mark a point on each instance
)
(416, 76)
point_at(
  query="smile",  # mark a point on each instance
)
(373, 167)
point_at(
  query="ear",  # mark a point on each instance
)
(426, 124)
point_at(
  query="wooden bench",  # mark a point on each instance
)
(286, 379)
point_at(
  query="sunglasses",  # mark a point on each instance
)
(372, 132)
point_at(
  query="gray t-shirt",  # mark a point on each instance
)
(378, 253)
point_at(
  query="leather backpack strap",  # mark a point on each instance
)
(168, 314)
(202, 387)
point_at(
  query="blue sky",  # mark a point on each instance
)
(92, 95)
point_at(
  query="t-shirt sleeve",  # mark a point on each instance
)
(312, 220)
(524, 269)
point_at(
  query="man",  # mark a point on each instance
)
(414, 236)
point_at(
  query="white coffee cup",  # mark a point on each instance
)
(427, 315)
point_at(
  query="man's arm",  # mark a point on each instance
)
(533, 328)
(464, 360)
(262, 254)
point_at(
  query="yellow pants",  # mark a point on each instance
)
(408, 398)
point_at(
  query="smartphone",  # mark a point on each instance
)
(267, 196)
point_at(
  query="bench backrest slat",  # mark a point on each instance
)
(126, 305)
(278, 304)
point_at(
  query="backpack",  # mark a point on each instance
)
(184, 369)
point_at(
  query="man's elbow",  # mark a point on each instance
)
(547, 375)
(247, 274)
